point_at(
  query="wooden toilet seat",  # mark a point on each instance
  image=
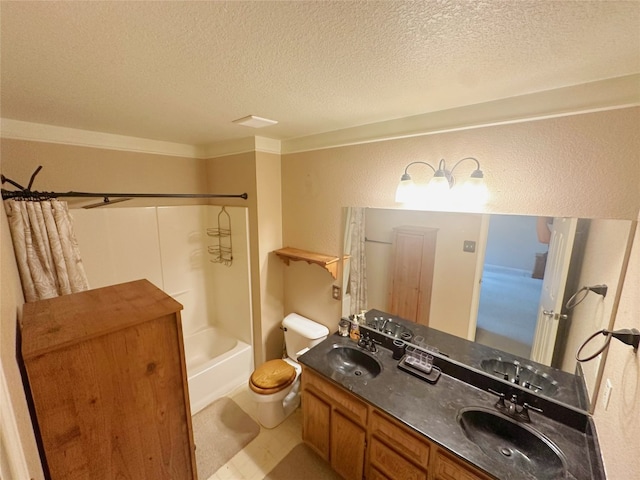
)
(272, 377)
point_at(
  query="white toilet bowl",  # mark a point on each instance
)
(276, 399)
(275, 385)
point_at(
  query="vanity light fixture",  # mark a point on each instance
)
(442, 189)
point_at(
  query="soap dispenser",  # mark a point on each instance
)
(354, 332)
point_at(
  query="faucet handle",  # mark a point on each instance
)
(499, 394)
(531, 386)
(526, 406)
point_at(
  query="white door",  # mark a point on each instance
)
(563, 231)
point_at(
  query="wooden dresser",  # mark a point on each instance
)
(108, 383)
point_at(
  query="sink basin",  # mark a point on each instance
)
(530, 377)
(509, 442)
(353, 362)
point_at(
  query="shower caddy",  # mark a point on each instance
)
(223, 251)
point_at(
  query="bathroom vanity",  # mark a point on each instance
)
(370, 419)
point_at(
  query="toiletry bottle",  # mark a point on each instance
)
(354, 332)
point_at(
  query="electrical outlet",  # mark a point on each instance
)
(335, 292)
(469, 246)
(606, 395)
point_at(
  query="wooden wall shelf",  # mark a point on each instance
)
(328, 262)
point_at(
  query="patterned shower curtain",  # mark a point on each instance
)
(46, 248)
(357, 260)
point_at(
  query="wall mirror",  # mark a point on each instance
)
(498, 280)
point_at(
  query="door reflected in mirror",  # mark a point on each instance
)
(500, 280)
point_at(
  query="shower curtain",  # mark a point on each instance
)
(357, 261)
(46, 249)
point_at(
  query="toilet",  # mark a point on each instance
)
(275, 385)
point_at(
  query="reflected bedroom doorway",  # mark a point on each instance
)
(511, 284)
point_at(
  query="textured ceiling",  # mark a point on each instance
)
(182, 71)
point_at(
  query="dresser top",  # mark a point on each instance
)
(63, 321)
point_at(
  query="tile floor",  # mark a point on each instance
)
(266, 450)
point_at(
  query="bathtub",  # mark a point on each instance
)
(216, 364)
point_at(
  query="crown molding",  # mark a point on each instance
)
(39, 132)
(240, 145)
(609, 94)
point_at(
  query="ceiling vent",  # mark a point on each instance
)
(255, 122)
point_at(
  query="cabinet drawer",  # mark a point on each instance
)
(449, 468)
(393, 465)
(340, 398)
(396, 434)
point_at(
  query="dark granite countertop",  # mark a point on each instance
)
(431, 410)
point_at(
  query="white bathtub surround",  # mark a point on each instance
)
(168, 246)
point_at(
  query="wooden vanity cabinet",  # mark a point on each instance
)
(334, 425)
(108, 384)
(361, 441)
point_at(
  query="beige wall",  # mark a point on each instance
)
(86, 169)
(617, 426)
(581, 166)
(268, 176)
(258, 174)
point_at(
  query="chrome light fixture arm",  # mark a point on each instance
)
(406, 176)
(477, 173)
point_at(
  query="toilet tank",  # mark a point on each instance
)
(300, 333)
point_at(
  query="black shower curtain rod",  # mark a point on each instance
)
(6, 194)
(27, 193)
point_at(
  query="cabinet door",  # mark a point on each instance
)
(316, 416)
(412, 262)
(347, 447)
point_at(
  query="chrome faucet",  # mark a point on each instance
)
(516, 376)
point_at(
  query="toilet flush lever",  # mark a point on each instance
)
(554, 315)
